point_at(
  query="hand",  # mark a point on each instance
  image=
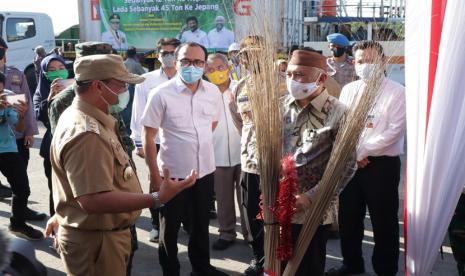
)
(3, 102)
(302, 202)
(170, 188)
(21, 108)
(363, 163)
(140, 152)
(28, 141)
(52, 227)
(232, 98)
(55, 87)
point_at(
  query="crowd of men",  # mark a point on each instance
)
(192, 122)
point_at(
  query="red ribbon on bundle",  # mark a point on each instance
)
(286, 206)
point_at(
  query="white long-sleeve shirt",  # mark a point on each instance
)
(220, 40)
(226, 138)
(141, 94)
(198, 36)
(385, 128)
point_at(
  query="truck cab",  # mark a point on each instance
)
(23, 31)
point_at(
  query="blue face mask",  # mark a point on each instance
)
(191, 74)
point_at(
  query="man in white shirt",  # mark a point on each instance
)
(114, 36)
(227, 145)
(185, 110)
(193, 33)
(375, 184)
(165, 49)
(220, 37)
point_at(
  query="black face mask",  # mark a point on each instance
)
(337, 52)
(2, 53)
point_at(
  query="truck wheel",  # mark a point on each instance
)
(31, 79)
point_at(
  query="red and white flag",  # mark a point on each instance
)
(435, 85)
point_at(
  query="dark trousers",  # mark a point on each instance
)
(376, 187)
(23, 151)
(314, 260)
(48, 174)
(250, 184)
(13, 168)
(197, 200)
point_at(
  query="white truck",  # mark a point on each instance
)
(23, 31)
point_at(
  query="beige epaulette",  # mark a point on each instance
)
(92, 125)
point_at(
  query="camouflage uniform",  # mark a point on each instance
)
(63, 100)
(343, 72)
(457, 235)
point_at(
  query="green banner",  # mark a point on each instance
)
(141, 23)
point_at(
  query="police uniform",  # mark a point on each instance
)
(87, 158)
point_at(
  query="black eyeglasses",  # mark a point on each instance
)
(165, 53)
(196, 62)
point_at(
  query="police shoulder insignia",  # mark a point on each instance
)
(92, 125)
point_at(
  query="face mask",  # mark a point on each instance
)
(300, 90)
(58, 74)
(123, 100)
(218, 77)
(191, 74)
(365, 70)
(167, 61)
(338, 52)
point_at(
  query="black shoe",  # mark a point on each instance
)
(255, 268)
(25, 231)
(5, 192)
(343, 271)
(221, 244)
(33, 215)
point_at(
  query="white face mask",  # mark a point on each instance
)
(365, 70)
(300, 90)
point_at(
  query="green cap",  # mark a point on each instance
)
(92, 48)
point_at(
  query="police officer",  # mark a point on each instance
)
(16, 81)
(341, 65)
(97, 194)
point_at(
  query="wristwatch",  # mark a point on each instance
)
(156, 200)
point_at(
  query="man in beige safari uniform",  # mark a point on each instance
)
(96, 192)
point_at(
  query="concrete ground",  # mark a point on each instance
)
(232, 261)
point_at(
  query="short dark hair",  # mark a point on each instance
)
(2, 78)
(167, 42)
(190, 44)
(192, 18)
(367, 44)
(131, 52)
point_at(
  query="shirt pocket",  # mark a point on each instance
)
(123, 169)
(179, 119)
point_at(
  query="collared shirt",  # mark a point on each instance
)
(87, 157)
(385, 128)
(344, 72)
(16, 81)
(309, 136)
(198, 36)
(134, 66)
(185, 122)
(220, 39)
(117, 39)
(241, 111)
(141, 94)
(226, 139)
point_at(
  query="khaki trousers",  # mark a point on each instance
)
(228, 180)
(94, 252)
